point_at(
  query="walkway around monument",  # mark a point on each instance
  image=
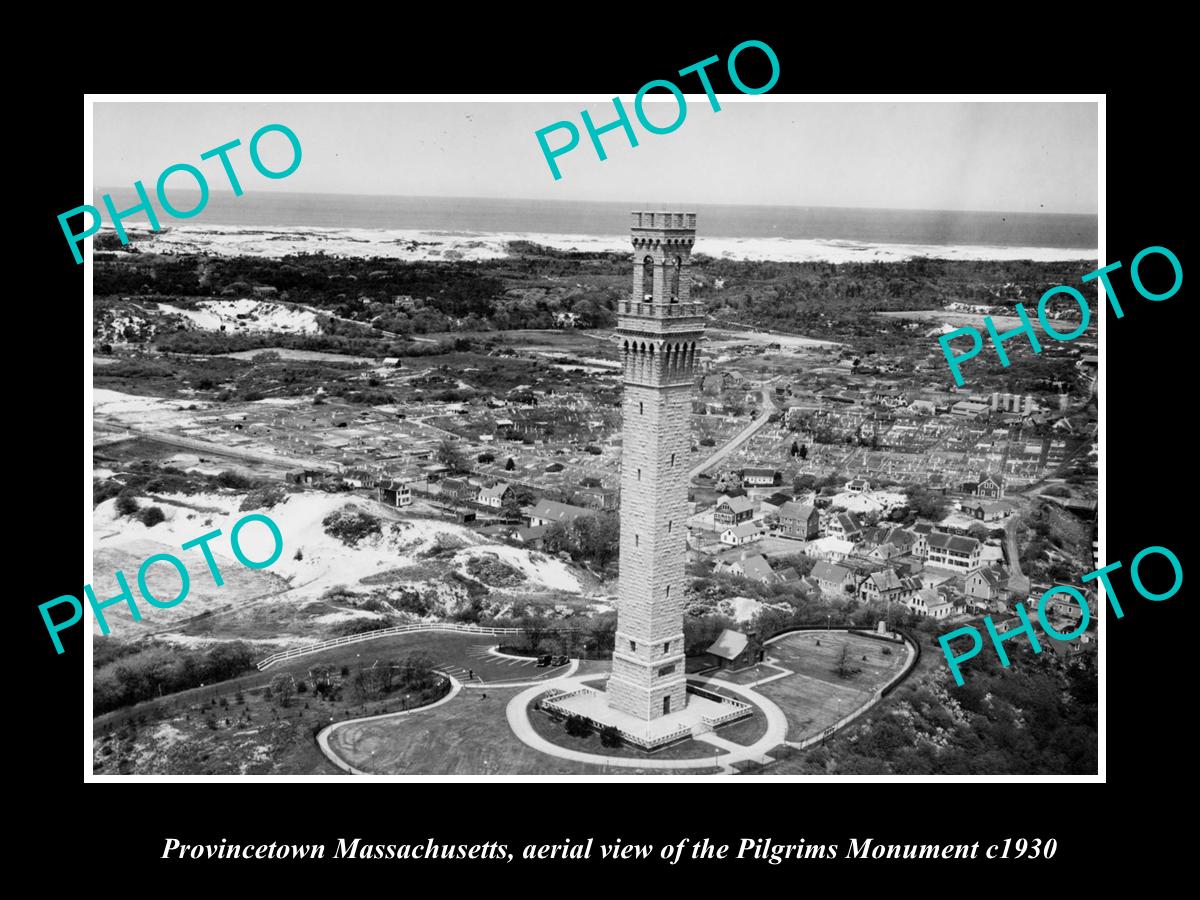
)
(775, 735)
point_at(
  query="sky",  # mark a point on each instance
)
(1014, 157)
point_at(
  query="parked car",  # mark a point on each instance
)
(543, 660)
(559, 661)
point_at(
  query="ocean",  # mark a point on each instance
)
(274, 223)
(458, 214)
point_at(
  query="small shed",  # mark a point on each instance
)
(735, 650)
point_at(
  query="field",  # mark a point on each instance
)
(455, 654)
(816, 696)
(467, 736)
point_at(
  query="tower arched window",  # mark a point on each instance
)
(675, 278)
(648, 279)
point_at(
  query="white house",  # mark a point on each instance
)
(746, 533)
(929, 602)
(492, 496)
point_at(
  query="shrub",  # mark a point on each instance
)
(105, 490)
(263, 498)
(233, 480)
(126, 505)
(610, 736)
(578, 726)
(151, 516)
(350, 524)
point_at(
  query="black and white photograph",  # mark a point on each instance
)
(508, 437)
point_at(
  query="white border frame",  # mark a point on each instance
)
(90, 100)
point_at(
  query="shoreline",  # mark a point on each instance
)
(428, 245)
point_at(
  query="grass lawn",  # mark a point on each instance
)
(556, 733)
(467, 736)
(745, 731)
(816, 654)
(812, 705)
(453, 653)
(816, 697)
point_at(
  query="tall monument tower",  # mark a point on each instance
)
(659, 329)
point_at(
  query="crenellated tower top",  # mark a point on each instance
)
(659, 324)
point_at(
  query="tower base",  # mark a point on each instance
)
(696, 717)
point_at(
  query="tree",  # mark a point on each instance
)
(804, 451)
(321, 676)
(610, 736)
(510, 465)
(980, 532)
(795, 449)
(448, 456)
(534, 627)
(843, 667)
(516, 498)
(926, 504)
(282, 688)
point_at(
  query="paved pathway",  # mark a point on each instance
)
(323, 735)
(518, 721)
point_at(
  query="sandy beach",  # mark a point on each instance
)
(415, 245)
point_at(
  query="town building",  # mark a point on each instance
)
(752, 566)
(928, 602)
(951, 551)
(846, 526)
(799, 520)
(760, 477)
(735, 650)
(733, 511)
(984, 511)
(547, 512)
(394, 493)
(458, 490)
(969, 409)
(987, 585)
(746, 533)
(991, 487)
(493, 496)
(832, 578)
(604, 499)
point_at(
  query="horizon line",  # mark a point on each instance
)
(638, 207)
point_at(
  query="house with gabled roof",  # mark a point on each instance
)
(988, 584)
(991, 487)
(832, 578)
(799, 520)
(735, 650)
(733, 511)
(746, 533)
(844, 525)
(928, 602)
(547, 512)
(493, 496)
(752, 566)
(952, 551)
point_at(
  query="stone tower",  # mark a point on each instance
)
(659, 329)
